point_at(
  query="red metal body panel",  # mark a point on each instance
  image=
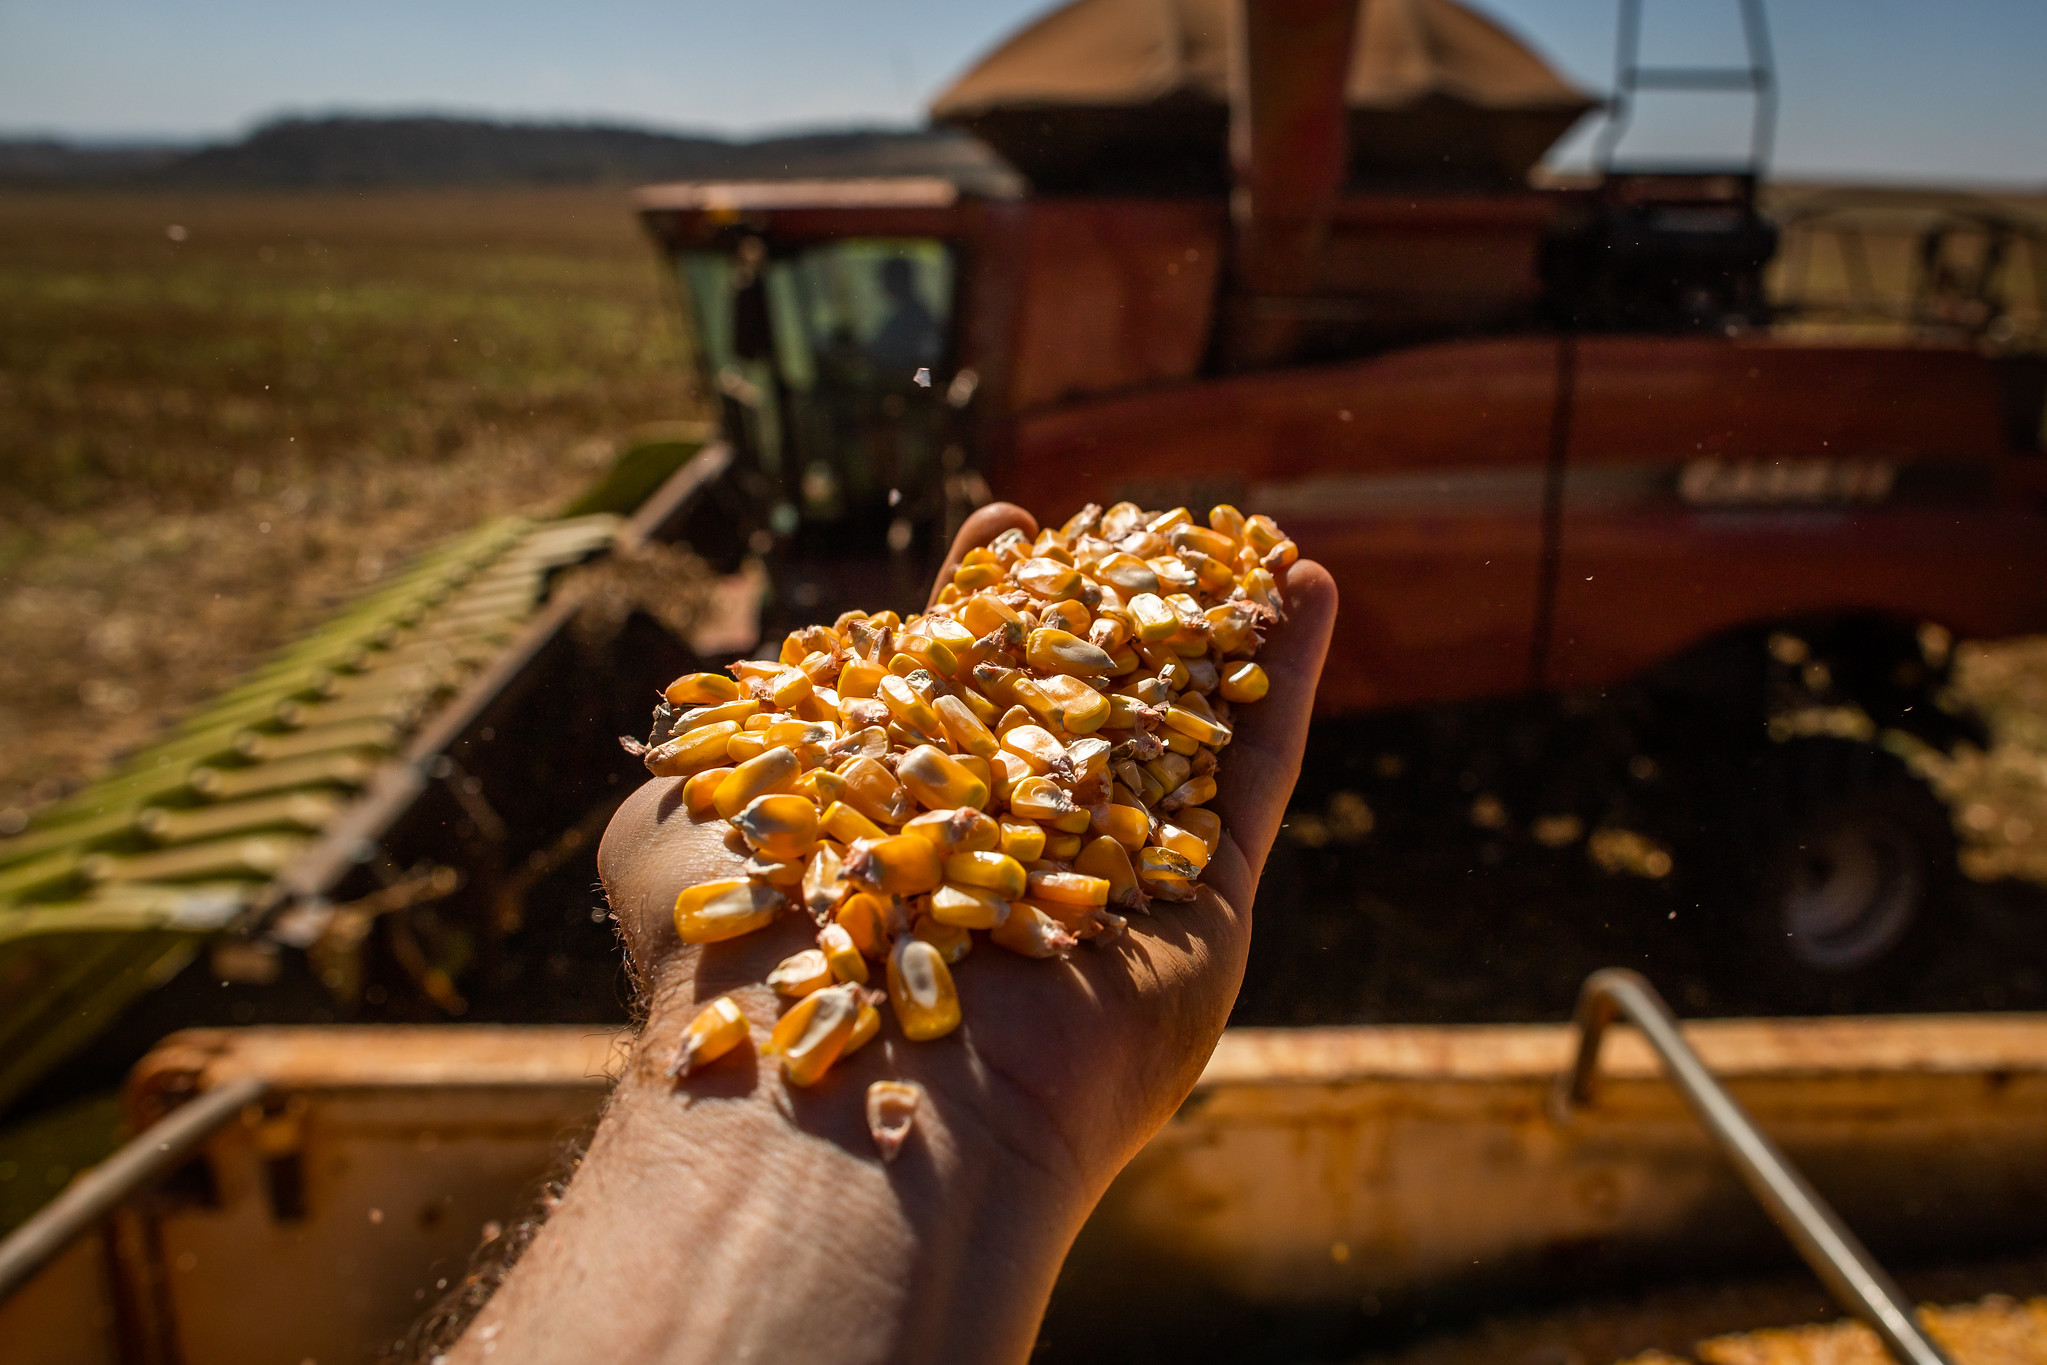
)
(1419, 478)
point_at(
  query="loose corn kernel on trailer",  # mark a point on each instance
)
(1323, 1194)
(1549, 438)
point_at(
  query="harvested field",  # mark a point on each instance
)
(222, 414)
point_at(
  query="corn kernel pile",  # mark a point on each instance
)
(1032, 758)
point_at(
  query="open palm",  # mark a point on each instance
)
(1073, 1063)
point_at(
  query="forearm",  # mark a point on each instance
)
(732, 1218)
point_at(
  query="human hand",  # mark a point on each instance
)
(1072, 1063)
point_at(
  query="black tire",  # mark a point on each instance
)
(1841, 877)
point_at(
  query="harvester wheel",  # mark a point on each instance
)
(1842, 879)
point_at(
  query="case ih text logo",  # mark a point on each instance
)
(1714, 482)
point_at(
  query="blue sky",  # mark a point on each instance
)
(1949, 90)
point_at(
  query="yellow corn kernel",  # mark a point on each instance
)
(920, 987)
(1261, 533)
(1107, 859)
(824, 880)
(1038, 749)
(1127, 825)
(1006, 769)
(1199, 538)
(692, 751)
(860, 678)
(718, 1028)
(788, 687)
(1023, 840)
(820, 787)
(964, 728)
(1075, 821)
(952, 942)
(1280, 557)
(1170, 769)
(984, 614)
(759, 721)
(1061, 845)
(996, 872)
(1074, 706)
(1068, 888)
(1047, 578)
(956, 831)
(925, 653)
(954, 634)
(744, 746)
(974, 577)
(1069, 616)
(1155, 864)
(842, 954)
(1204, 825)
(1128, 574)
(1126, 713)
(785, 876)
(716, 911)
(1073, 918)
(1166, 521)
(968, 907)
(1040, 798)
(813, 1035)
(901, 865)
(873, 790)
(711, 715)
(1244, 682)
(865, 917)
(697, 793)
(865, 1025)
(1032, 932)
(1151, 620)
(938, 781)
(802, 734)
(1177, 742)
(909, 708)
(1174, 576)
(780, 827)
(772, 770)
(1195, 791)
(802, 973)
(701, 689)
(1226, 519)
(1184, 842)
(846, 824)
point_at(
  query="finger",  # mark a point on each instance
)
(984, 525)
(1256, 774)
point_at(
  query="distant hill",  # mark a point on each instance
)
(350, 153)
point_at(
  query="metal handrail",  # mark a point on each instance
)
(162, 1149)
(1854, 1278)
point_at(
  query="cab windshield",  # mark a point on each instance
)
(833, 362)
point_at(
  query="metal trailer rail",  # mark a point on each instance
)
(166, 1145)
(1850, 1274)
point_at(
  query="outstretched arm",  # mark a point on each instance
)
(732, 1218)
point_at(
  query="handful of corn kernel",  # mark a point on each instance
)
(1032, 758)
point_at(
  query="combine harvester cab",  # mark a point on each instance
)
(1552, 439)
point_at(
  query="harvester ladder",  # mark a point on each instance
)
(1630, 78)
(1835, 1254)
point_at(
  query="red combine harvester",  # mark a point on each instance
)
(1550, 439)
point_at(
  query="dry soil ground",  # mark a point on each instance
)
(222, 414)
